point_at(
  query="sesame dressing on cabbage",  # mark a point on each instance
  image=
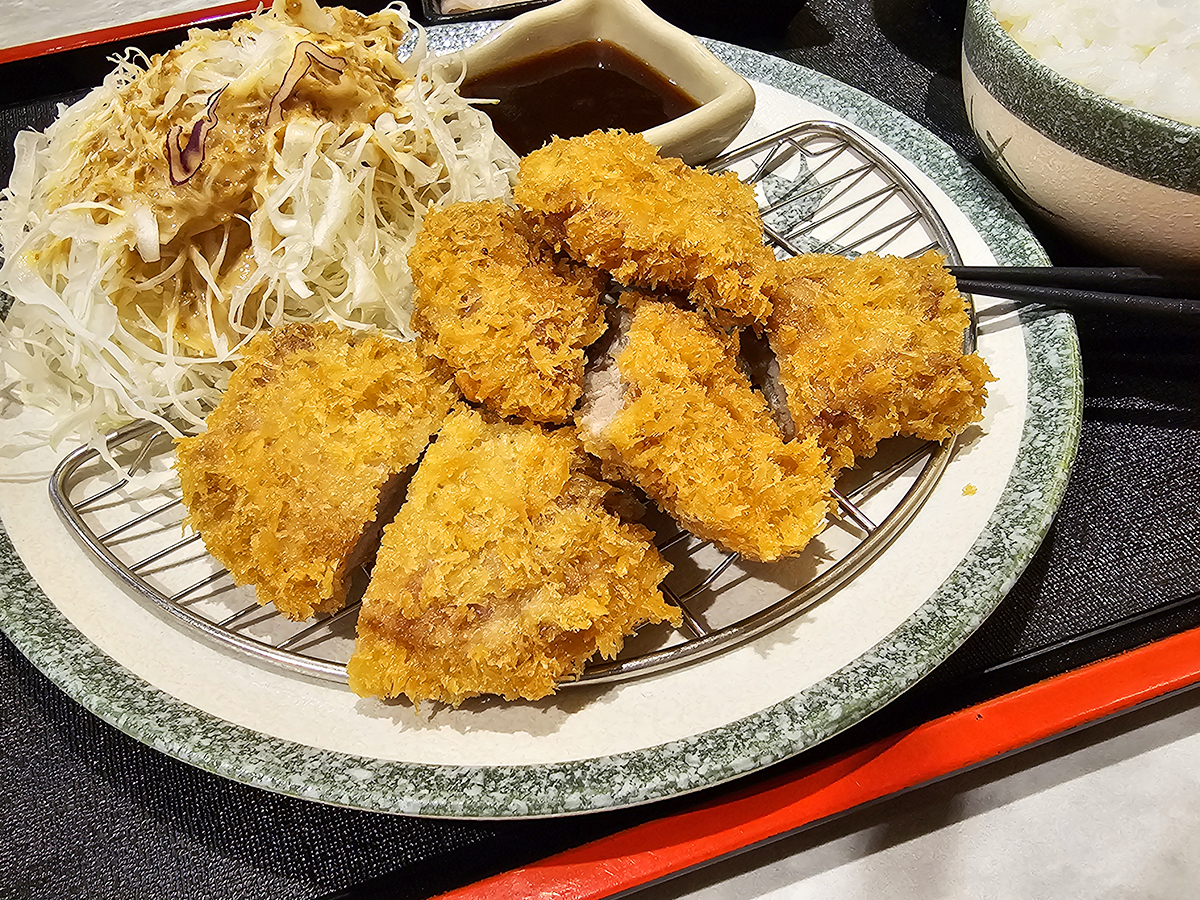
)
(276, 171)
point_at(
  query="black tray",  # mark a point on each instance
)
(1118, 570)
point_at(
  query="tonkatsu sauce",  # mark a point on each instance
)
(573, 91)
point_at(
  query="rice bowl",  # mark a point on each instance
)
(1119, 180)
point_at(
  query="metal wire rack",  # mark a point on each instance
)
(823, 188)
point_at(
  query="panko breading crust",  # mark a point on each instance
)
(872, 347)
(694, 435)
(498, 308)
(285, 482)
(503, 572)
(609, 200)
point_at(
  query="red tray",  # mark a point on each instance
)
(908, 759)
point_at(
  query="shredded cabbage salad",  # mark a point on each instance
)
(136, 282)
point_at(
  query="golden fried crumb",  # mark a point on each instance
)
(693, 434)
(503, 573)
(284, 483)
(609, 200)
(497, 307)
(873, 347)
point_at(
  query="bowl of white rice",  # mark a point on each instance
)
(1090, 111)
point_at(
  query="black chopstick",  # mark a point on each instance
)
(1127, 289)
(1121, 279)
(1075, 298)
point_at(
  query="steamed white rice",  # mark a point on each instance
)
(1144, 53)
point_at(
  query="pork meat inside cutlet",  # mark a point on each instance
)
(504, 571)
(497, 306)
(609, 200)
(872, 347)
(296, 472)
(670, 410)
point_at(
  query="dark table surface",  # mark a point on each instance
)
(87, 812)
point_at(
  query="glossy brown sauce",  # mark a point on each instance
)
(576, 90)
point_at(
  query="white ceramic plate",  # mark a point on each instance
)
(602, 746)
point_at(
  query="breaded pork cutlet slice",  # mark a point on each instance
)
(511, 320)
(298, 468)
(670, 410)
(609, 200)
(872, 347)
(503, 572)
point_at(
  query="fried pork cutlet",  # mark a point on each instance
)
(872, 347)
(609, 200)
(293, 477)
(511, 320)
(503, 572)
(670, 410)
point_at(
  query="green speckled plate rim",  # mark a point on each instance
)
(999, 555)
(1095, 127)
